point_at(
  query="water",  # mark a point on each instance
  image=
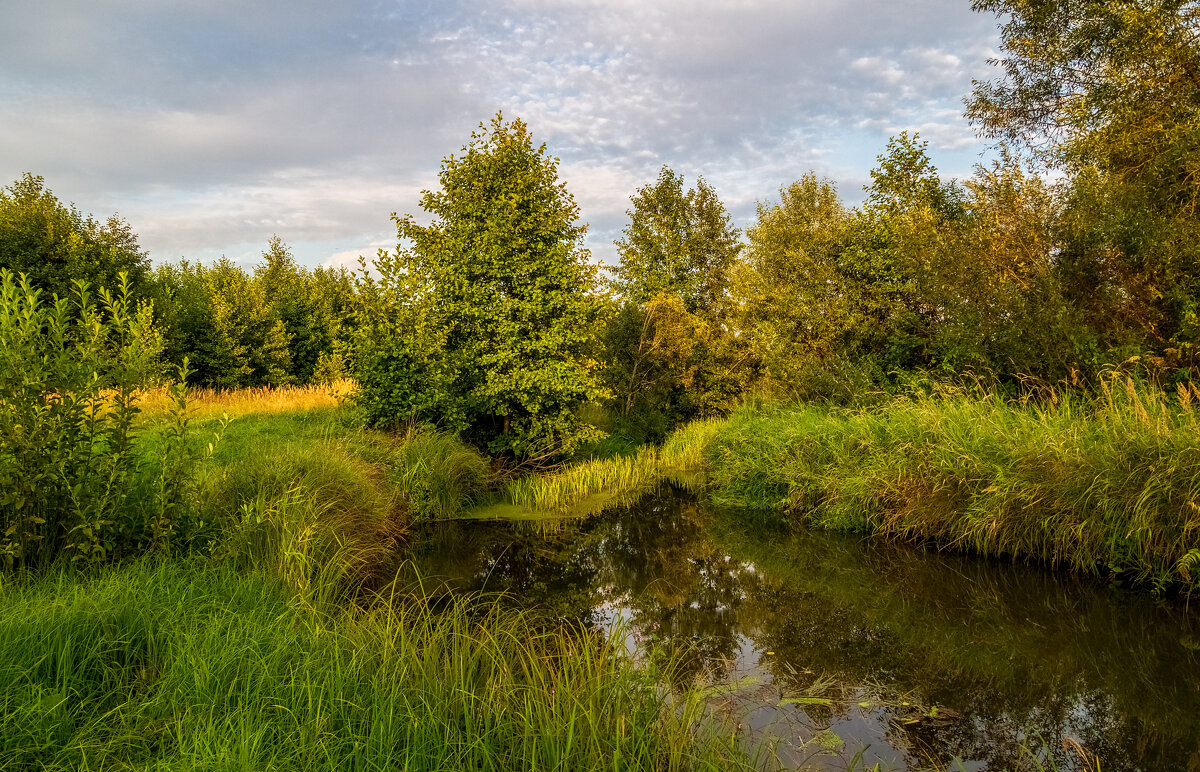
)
(852, 651)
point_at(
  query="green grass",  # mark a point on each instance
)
(1103, 485)
(187, 665)
(587, 486)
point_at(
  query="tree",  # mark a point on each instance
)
(289, 290)
(54, 245)
(1109, 91)
(794, 301)
(506, 296)
(892, 254)
(993, 281)
(666, 366)
(682, 243)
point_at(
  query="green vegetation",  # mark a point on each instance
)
(68, 376)
(948, 362)
(281, 324)
(185, 665)
(1107, 485)
(56, 245)
(483, 326)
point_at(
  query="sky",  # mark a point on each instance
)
(211, 125)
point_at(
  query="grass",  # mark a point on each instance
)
(1105, 485)
(183, 665)
(283, 642)
(212, 403)
(586, 487)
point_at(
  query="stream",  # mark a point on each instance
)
(830, 651)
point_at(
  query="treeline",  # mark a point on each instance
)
(278, 323)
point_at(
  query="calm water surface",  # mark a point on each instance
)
(848, 650)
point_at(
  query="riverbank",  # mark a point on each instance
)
(186, 664)
(1107, 485)
(282, 639)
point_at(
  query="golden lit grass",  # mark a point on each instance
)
(598, 482)
(211, 403)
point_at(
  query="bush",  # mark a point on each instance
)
(70, 371)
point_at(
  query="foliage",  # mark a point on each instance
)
(793, 299)
(438, 475)
(483, 324)
(69, 375)
(1108, 92)
(1103, 486)
(671, 355)
(679, 243)
(667, 366)
(281, 324)
(55, 245)
(997, 286)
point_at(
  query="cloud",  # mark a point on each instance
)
(211, 124)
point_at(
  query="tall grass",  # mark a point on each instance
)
(1106, 484)
(600, 482)
(438, 475)
(209, 403)
(183, 665)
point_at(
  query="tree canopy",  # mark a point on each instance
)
(54, 244)
(678, 242)
(504, 297)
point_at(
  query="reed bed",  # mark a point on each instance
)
(190, 665)
(1106, 484)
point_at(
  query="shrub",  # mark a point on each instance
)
(69, 375)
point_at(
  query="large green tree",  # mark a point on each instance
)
(683, 243)
(502, 300)
(671, 353)
(54, 244)
(794, 300)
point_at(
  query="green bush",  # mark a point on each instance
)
(69, 459)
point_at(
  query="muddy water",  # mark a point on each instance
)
(848, 652)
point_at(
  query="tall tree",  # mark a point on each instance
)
(54, 244)
(679, 242)
(794, 299)
(507, 293)
(1109, 90)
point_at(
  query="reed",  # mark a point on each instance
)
(599, 481)
(1104, 484)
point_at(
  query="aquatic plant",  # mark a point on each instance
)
(614, 479)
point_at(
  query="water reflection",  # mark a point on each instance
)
(844, 647)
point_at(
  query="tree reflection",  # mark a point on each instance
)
(1013, 651)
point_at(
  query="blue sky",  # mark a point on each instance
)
(211, 125)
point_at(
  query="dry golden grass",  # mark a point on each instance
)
(210, 403)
